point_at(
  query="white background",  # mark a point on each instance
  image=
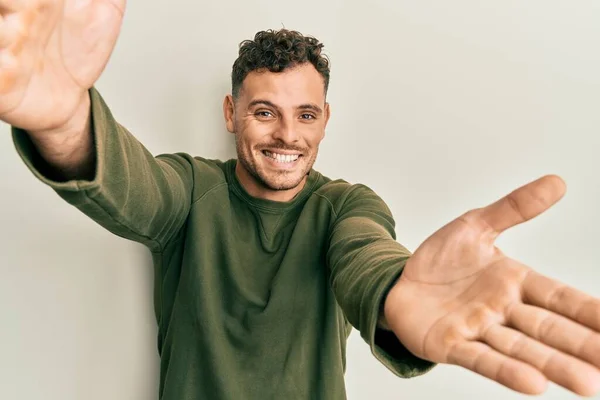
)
(438, 106)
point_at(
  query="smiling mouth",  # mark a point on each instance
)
(282, 158)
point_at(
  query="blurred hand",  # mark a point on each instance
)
(51, 53)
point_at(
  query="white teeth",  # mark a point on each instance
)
(283, 158)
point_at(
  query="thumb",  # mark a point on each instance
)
(523, 204)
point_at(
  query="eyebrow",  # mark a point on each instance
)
(307, 106)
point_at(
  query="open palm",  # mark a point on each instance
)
(51, 53)
(461, 301)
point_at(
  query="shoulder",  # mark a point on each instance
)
(344, 196)
(205, 174)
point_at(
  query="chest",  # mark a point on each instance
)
(254, 262)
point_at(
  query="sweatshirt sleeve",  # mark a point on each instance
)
(365, 260)
(133, 194)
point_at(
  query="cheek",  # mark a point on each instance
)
(254, 133)
(314, 138)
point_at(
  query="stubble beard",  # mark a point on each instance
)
(273, 182)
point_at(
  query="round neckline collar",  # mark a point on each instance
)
(270, 205)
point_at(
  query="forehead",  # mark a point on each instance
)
(298, 85)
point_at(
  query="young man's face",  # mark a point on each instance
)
(279, 119)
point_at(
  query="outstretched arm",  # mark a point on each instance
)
(51, 54)
(364, 261)
(461, 301)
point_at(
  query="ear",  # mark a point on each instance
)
(327, 113)
(229, 113)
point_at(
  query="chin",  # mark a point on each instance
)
(287, 183)
(274, 179)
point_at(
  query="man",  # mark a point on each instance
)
(262, 264)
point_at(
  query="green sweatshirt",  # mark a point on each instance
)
(254, 299)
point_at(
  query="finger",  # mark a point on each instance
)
(514, 374)
(556, 331)
(119, 5)
(562, 369)
(523, 204)
(10, 30)
(6, 38)
(12, 5)
(541, 291)
(9, 72)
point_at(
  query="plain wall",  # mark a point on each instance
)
(438, 106)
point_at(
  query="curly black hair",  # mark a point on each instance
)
(277, 50)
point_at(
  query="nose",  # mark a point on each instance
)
(286, 131)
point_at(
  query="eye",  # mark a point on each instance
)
(264, 114)
(307, 116)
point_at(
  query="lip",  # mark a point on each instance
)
(279, 165)
(282, 152)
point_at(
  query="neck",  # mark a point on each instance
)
(259, 190)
